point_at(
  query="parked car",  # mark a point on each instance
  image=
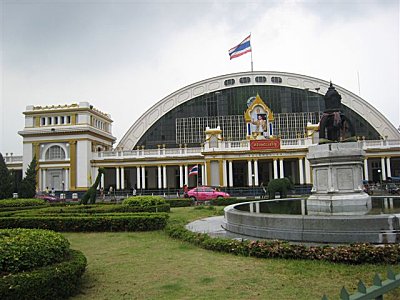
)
(48, 198)
(206, 193)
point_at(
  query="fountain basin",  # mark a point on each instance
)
(249, 219)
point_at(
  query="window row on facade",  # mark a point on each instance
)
(55, 120)
(258, 79)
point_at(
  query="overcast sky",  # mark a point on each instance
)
(123, 56)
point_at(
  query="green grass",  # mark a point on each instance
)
(150, 265)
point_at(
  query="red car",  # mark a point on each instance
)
(205, 193)
(48, 198)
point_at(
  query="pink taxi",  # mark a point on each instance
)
(206, 193)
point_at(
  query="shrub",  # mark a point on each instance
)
(111, 222)
(349, 254)
(26, 249)
(56, 281)
(144, 201)
(21, 202)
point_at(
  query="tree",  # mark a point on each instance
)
(27, 188)
(6, 185)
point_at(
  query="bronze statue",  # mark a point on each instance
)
(334, 126)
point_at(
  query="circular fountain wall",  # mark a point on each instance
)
(289, 221)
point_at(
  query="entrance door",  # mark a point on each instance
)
(56, 182)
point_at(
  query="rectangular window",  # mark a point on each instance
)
(68, 119)
(43, 121)
(62, 120)
(49, 121)
(55, 120)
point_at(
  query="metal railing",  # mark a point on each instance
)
(376, 291)
(225, 146)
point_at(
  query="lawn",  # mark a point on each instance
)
(150, 265)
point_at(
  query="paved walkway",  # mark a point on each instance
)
(213, 226)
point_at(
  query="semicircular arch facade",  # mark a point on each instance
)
(214, 84)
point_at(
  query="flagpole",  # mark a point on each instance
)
(251, 55)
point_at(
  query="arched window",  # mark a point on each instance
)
(55, 153)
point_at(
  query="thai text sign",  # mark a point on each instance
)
(265, 144)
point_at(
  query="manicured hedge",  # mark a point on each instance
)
(95, 209)
(26, 249)
(56, 281)
(349, 254)
(115, 222)
(13, 209)
(21, 202)
(227, 201)
(182, 202)
(144, 201)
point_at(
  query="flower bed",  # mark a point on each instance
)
(349, 254)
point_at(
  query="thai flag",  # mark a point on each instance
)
(240, 49)
(194, 170)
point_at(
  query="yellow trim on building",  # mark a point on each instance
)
(72, 155)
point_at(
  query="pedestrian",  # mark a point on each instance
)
(102, 193)
(185, 191)
(264, 191)
(134, 191)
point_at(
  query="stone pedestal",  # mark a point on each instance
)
(337, 180)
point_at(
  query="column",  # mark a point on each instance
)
(186, 175)
(117, 178)
(43, 179)
(388, 168)
(159, 177)
(164, 177)
(366, 169)
(203, 174)
(101, 181)
(122, 178)
(181, 176)
(256, 172)
(230, 173)
(307, 171)
(224, 175)
(249, 173)
(301, 171)
(143, 177)
(383, 168)
(275, 168)
(66, 180)
(281, 171)
(138, 186)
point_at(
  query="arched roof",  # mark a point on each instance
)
(354, 102)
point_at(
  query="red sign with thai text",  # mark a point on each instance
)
(265, 144)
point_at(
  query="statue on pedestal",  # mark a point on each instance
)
(334, 126)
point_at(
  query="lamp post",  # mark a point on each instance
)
(380, 177)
